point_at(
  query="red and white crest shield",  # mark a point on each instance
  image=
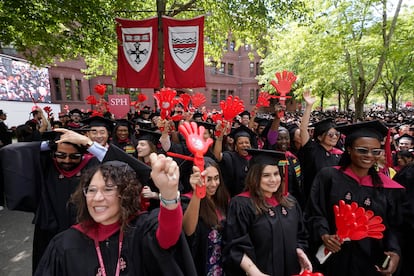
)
(183, 43)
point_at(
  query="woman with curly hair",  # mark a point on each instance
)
(264, 232)
(113, 236)
(204, 218)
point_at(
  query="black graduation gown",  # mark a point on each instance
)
(406, 178)
(356, 258)
(234, 169)
(270, 239)
(314, 158)
(198, 241)
(73, 253)
(295, 178)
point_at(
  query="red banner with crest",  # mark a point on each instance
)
(137, 53)
(184, 52)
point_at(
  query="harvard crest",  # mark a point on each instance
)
(137, 46)
(183, 44)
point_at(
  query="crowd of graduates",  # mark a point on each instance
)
(120, 196)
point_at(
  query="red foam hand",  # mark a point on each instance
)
(231, 107)
(141, 98)
(216, 117)
(96, 113)
(185, 100)
(91, 100)
(47, 109)
(354, 223)
(165, 100)
(309, 273)
(263, 99)
(100, 89)
(198, 99)
(284, 82)
(198, 146)
(177, 117)
(194, 138)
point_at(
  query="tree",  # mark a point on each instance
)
(342, 48)
(44, 30)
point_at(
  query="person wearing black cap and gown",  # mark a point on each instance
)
(123, 136)
(113, 236)
(75, 119)
(39, 178)
(99, 129)
(355, 179)
(265, 233)
(319, 152)
(147, 143)
(234, 164)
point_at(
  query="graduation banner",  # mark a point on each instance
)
(184, 52)
(137, 53)
(119, 105)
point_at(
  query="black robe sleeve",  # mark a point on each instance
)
(22, 175)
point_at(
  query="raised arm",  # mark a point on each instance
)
(310, 100)
(191, 215)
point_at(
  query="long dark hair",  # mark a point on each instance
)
(128, 191)
(219, 200)
(252, 184)
(345, 160)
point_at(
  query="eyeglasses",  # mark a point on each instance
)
(365, 151)
(63, 155)
(332, 134)
(91, 191)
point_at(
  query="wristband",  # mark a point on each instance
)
(169, 201)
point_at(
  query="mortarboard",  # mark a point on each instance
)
(405, 136)
(2, 112)
(243, 131)
(374, 129)
(98, 121)
(148, 135)
(244, 113)
(265, 157)
(124, 122)
(207, 125)
(75, 111)
(198, 114)
(322, 126)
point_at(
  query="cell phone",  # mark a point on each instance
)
(385, 262)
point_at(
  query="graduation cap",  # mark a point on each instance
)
(265, 157)
(148, 135)
(243, 131)
(98, 121)
(405, 136)
(124, 122)
(197, 114)
(262, 121)
(207, 125)
(143, 123)
(322, 126)
(244, 113)
(154, 114)
(374, 129)
(75, 111)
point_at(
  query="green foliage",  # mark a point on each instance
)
(65, 29)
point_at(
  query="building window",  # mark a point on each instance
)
(252, 96)
(230, 69)
(109, 89)
(68, 89)
(246, 47)
(232, 45)
(258, 69)
(257, 95)
(230, 92)
(222, 68)
(214, 94)
(251, 69)
(222, 95)
(58, 89)
(213, 67)
(78, 90)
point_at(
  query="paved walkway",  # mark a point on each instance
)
(16, 238)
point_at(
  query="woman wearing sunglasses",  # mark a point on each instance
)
(357, 180)
(318, 151)
(113, 236)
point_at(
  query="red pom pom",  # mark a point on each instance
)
(100, 89)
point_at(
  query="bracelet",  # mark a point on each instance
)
(169, 201)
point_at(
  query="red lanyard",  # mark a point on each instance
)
(101, 263)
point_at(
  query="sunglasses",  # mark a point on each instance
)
(365, 151)
(63, 155)
(332, 134)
